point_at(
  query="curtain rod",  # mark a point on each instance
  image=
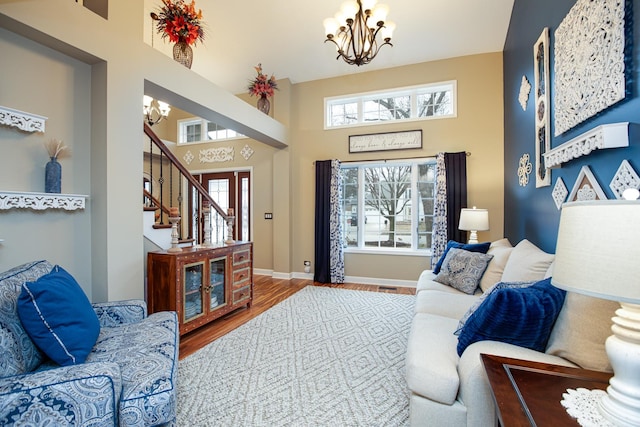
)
(468, 153)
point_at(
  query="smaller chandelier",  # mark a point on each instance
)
(354, 30)
(158, 108)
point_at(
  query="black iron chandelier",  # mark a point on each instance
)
(355, 28)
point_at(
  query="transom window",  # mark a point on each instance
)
(388, 206)
(197, 130)
(433, 101)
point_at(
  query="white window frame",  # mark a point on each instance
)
(412, 91)
(183, 123)
(361, 208)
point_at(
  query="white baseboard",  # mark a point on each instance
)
(347, 279)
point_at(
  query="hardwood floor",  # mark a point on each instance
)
(267, 292)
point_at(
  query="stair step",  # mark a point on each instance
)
(158, 226)
(150, 208)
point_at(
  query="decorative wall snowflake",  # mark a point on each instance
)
(246, 152)
(188, 157)
(524, 169)
(559, 193)
(625, 177)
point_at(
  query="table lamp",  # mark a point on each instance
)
(598, 254)
(474, 220)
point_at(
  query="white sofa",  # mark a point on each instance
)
(451, 390)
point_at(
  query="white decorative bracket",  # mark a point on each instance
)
(614, 135)
(24, 121)
(41, 201)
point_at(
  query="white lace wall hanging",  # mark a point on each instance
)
(524, 169)
(589, 68)
(559, 193)
(541, 97)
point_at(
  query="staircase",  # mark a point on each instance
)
(168, 184)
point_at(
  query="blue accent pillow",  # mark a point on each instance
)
(520, 316)
(58, 317)
(482, 248)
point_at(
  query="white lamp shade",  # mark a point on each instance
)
(474, 219)
(598, 249)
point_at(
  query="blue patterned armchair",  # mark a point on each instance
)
(128, 379)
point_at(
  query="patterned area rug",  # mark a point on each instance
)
(322, 357)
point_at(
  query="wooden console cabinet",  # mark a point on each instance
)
(200, 284)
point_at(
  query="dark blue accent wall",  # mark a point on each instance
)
(530, 212)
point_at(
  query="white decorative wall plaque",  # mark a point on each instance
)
(385, 141)
(613, 135)
(541, 97)
(586, 187)
(246, 152)
(188, 157)
(626, 177)
(589, 69)
(559, 193)
(24, 121)
(523, 96)
(524, 169)
(214, 155)
(41, 201)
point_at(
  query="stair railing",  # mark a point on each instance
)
(197, 198)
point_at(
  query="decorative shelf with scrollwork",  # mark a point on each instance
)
(613, 135)
(41, 201)
(27, 122)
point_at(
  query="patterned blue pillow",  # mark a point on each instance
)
(519, 316)
(471, 247)
(492, 289)
(463, 270)
(58, 317)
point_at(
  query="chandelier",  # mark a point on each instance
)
(354, 30)
(151, 107)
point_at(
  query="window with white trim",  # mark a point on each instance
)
(432, 101)
(197, 130)
(389, 205)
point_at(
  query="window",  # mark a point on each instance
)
(192, 131)
(432, 101)
(388, 205)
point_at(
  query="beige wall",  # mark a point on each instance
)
(45, 82)
(477, 129)
(284, 180)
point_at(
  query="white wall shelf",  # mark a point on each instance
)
(27, 122)
(614, 135)
(41, 201)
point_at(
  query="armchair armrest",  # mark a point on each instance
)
(80, 395)
(120, 312)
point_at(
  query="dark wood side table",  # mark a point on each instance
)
(529, 393)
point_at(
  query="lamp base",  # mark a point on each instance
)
(473, 236)
(621, 405)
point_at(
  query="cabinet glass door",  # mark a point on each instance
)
(193, 286)
(217, 269)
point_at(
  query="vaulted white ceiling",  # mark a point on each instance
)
(287, 37)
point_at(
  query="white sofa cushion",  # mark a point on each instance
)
(432, 361)
(500, 249)
(527, 263)
(445, 304)
(581, 329)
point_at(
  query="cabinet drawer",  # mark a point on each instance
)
(241, 294)
(240, 257)
(241, 275)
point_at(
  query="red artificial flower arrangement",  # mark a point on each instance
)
(261, 85)
(179, 21)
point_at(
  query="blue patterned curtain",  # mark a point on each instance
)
(450, 198)
(329, 257)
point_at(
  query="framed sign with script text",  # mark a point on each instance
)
(385, 141)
